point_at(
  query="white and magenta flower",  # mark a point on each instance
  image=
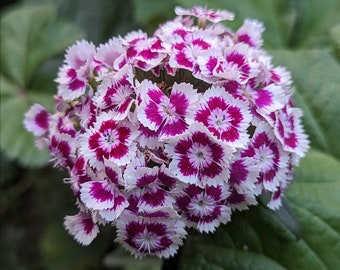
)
(115, 94)
(289, 131)
(198, 157)
(166, 115)
(109, 139)
(204, 208)
(184, 52)
(268, 155)
(226, 117)
(79, 64)
(105, 197)
(159, 235)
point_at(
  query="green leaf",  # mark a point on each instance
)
(15, 140)
(31, 37)
(316, 78)
(335, 35)
(317, 188)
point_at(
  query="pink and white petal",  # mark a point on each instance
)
(120, 204)
(109, 52)
(220, 215)
(210, 63)
(149, 138)
(149, 111)
(243, 175)
(289, 131)
(240, 201)
(80, 54)
(139, 177)
(251, 33)
(154, 198)
(81, 227)
(276, 199)
(269, 99)
(97, 195)
(37, 120)
(70, 86)
(113, 173)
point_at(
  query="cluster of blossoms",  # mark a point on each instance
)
(177, 130)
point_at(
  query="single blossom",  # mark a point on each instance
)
(198, 157)
(226, 118)
(109, 139)
(167, 115)
(73, 76)
(267, 153)
(159, 235)
(204, 208)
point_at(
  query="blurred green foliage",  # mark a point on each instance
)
(303, 35)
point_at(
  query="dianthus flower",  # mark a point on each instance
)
(175, 130)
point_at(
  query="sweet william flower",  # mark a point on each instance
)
(174, 130)
(204, 208)
(109, 139)
(226, 117)
(166, 115)
(198, 157)
(160, 234)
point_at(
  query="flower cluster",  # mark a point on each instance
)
(177, 130)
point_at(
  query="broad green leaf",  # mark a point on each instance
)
(31, 37)
(317, 188)
(277, 15)
(316, 78)
(15, 140)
